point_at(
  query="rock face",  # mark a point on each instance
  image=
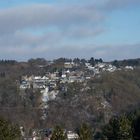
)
(48, 95)
(45, 97)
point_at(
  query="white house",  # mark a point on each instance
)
(129, 67)
(72, 136)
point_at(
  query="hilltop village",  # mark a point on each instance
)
(70, 73)
(54, 82)
(67, 95)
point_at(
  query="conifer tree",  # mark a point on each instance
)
(58, 134)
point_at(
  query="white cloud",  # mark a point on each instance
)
(44, 15)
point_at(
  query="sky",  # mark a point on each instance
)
(107, 29)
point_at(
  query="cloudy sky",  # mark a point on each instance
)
(108, 29)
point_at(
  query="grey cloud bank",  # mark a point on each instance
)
(14, 19)
(64, 27)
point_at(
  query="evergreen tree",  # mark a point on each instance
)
(92, 61)
(111, 130)
(58, 134)
(8, 131)
(136, 129)
(125, 131)
(85, 132)
(119, 128)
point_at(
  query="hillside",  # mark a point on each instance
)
(96, 101)
(93, 101)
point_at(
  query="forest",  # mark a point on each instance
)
(107, 105)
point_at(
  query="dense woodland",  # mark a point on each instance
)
(82, 103)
